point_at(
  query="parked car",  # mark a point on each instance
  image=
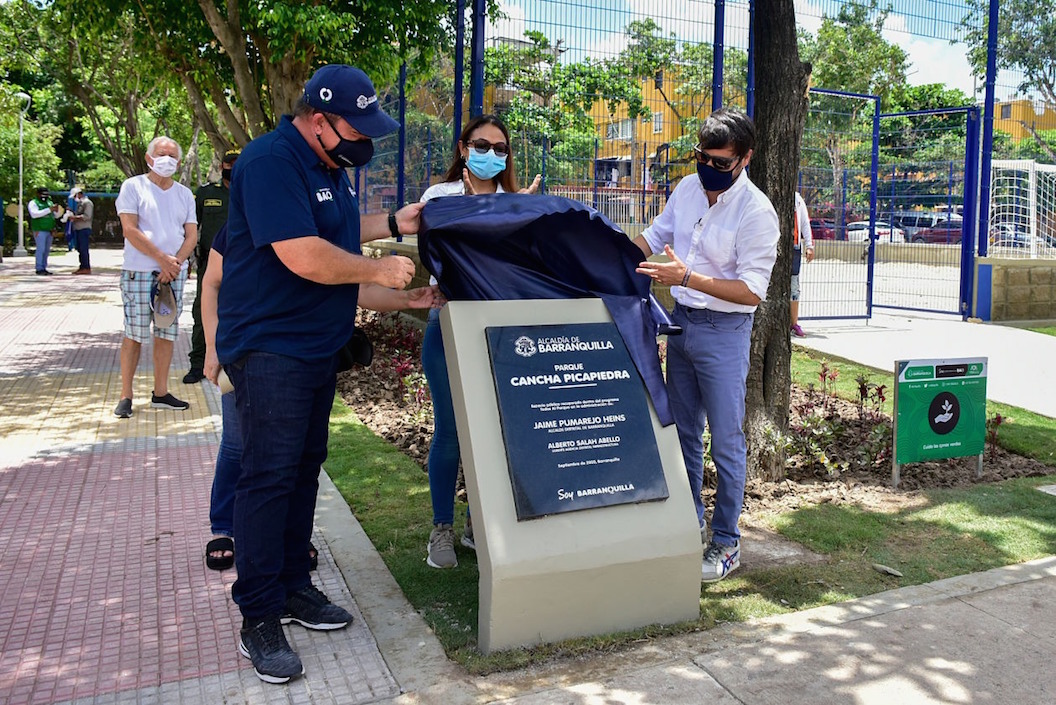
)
(1008, 235)
(945, 233)
(913, 221)
(858, 231)
(822, 229)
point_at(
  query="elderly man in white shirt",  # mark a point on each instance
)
(160, 227)
(720, 235)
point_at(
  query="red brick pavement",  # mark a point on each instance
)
(102, 521)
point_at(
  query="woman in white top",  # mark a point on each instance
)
(482, 163)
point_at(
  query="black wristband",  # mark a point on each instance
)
(393, 228)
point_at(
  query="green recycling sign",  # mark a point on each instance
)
(940, 409)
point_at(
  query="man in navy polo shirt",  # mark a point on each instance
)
(293, 275)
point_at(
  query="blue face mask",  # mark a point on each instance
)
(714, 180)
(485, 166)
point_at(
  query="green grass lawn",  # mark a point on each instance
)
(1047, 330)
(951, 532)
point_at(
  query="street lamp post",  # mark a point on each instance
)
(20, 250)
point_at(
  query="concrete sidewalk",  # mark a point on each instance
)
(107, 600)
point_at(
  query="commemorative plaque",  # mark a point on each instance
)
(574, 417)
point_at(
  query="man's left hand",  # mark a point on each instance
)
(810, 254)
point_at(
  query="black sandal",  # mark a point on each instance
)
(313, 556)
(224, 543)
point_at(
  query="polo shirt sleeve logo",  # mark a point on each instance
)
(363, 101)
(324, 194)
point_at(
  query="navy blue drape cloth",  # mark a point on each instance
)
(519, 246)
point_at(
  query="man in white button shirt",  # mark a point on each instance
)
(720, 235)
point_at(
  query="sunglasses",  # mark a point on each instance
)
(720, 163)
(481, 146)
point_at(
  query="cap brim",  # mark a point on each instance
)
(374, 125)
(163, 304)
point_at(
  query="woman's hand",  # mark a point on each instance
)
(535, 185)
(468, 183)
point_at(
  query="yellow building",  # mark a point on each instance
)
(1018, 117)
(625, 141)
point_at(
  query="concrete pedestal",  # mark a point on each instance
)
(579, 573)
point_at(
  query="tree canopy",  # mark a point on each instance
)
(225, 70)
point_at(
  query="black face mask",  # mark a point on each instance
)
(348, 153)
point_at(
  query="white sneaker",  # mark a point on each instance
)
(720, 561)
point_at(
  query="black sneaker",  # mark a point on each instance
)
(194, 376)
(310, 608)
(168, 402)
(123, 409)
(265, 645)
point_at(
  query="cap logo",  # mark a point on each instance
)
(363, 101)
(326, 95)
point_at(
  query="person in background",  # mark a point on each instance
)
(81, 222)
(720, 234)
(211, 208)
(482, 163)
(802, 247)
(160, 231)
(42, 217)
(71, 207)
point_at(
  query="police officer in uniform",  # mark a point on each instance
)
(211, 203)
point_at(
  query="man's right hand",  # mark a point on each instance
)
(393, 271)
(212, 366)
(170, 268)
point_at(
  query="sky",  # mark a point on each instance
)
(923, 28)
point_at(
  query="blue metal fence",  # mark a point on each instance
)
(604, 99)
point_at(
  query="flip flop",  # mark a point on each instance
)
(224, 543)
(313, 556)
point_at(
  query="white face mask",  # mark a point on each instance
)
(164, 166)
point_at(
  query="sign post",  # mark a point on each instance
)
(940, 411)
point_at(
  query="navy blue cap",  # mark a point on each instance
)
(346, 91)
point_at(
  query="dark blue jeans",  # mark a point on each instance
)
(228, 468)
(82, 237)
(283, 407)
(443, 450)
(707, 369)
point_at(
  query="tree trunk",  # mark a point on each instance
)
(228, 30)
(1039, 139)
(781, 110)
(200, 110)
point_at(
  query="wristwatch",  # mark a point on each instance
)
(393, 228)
